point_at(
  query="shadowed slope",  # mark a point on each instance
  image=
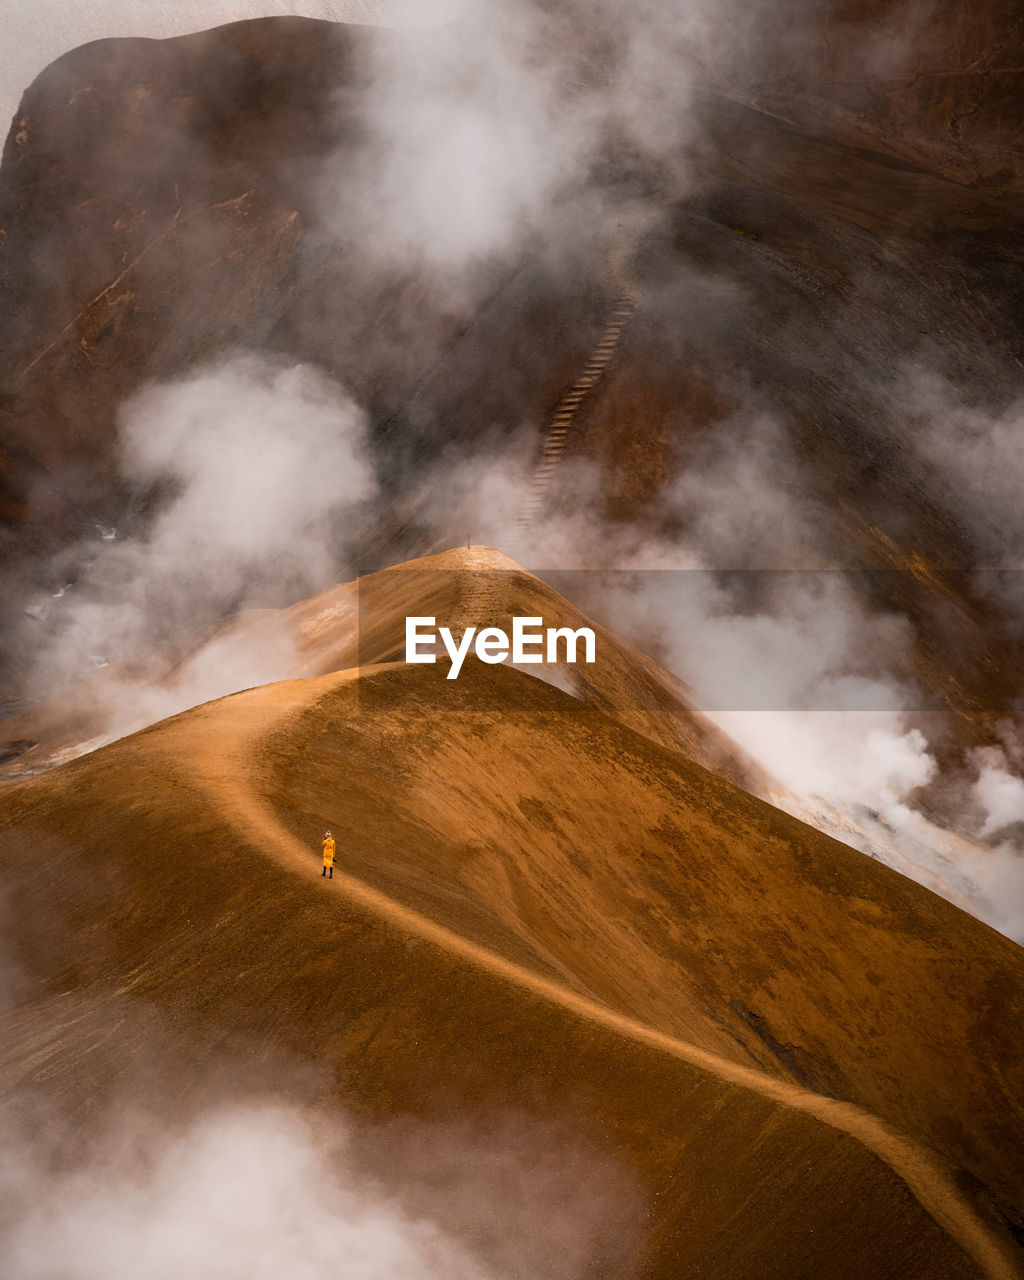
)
(546, 963)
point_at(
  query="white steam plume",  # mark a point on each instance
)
(998, 792)
(977, 457)
(483, 132)
(263, 465)
(998, 805)
(265, 1190)
(251, 1193)
(469, 136)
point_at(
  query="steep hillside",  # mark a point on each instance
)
(937, 84)
(362, 623)
(537, 907)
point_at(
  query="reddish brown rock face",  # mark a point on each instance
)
(155, 193)
(144, 225)
(159, 204)
(155, 209)
(936, 83)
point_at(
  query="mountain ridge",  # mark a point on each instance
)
(258, 758)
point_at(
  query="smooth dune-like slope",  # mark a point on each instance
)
(362, 623)
(647, 882)
(623, 941)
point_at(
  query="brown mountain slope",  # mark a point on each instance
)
(724, 921)
(363, 623)
(936, 83)
(624, 938)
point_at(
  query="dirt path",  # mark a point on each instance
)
(219, 760)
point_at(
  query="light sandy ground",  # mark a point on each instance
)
(533, 893)
(221, 763)
(535, 908)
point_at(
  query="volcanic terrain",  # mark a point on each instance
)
(536, 907)
(564, 904)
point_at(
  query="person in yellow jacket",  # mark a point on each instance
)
(328, 848)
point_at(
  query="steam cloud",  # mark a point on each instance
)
(261, 467)
(245, 1194)
(468, 141)
(482, 132)
(265, 1189)
(975, 451)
